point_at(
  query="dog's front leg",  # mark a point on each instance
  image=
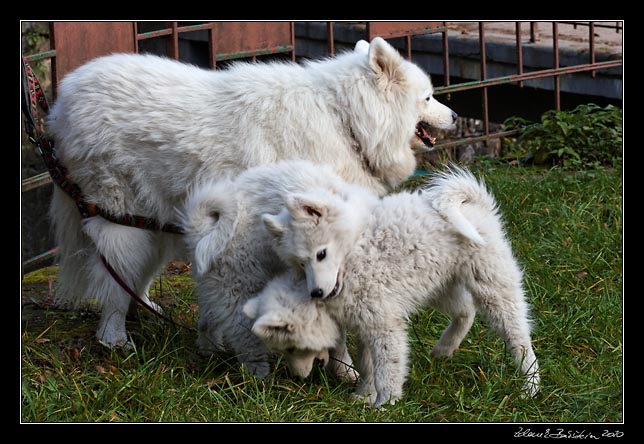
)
(389, 350)
(341, 364)
(366, 390)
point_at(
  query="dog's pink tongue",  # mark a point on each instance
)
(426, 135)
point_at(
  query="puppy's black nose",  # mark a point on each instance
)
(454, 117)
(317, 293)
(318, 362)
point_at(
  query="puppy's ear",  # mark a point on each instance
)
(304, 207)
(251, 308)
(362, 46)
(274, 223)
(271, 325)
(385, 61)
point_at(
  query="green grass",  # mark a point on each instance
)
(566, 230)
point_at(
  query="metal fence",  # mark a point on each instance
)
(73, 43)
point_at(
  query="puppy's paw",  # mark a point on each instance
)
(344, 372)
(369, 398)
(385, 398)
(259, 369)
(441, 351)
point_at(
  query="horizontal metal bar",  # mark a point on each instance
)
(36, 181)
(35, 262)
(191, 28)
(152, 34)
(468, 140)
(526, 76)
(243, 54)
(41, 55)
(597, 25)
(168, 31)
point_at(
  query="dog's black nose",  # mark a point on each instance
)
(317, 293)
(454, 117)
(318, 362)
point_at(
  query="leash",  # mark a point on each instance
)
(34, 99)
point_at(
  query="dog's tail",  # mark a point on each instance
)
(74, 256)
(209, 218)
(449, 191)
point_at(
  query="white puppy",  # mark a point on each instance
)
(233, 260)
(290, 322)
(375, 265)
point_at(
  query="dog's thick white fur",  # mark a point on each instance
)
(137, 131)
(233, 260)
(290, 322)
(376, 265)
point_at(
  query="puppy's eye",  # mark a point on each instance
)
(321, 255)
(290, 350)
(428, 98)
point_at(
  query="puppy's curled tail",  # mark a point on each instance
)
(448, 192)
(209, 218)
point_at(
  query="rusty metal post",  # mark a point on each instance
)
(534, 32)
(212, 60)
(591, 49)
(486, 123)
(446, 61)
(555, 50)
(408, 46)
(330, 38)
(173, 43)
(135, 27)
(292, 41)
(519, 52)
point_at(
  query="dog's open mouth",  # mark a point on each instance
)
(422, 132)
(337, 288)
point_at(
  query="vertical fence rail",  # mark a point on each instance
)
(517, 30)
(555, 51)
(486, 115)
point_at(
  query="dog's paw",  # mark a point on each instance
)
(368, 398)
(530, 387)
(155, 307)
(385, 398)
(349, 376)
(441, 351)
(344, 372)
(117, 345)
(259, 369)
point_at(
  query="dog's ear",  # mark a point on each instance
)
(251, 308)
(385, 61)
(274, 223)
(271, 325)
(305, 207)
(362, 46)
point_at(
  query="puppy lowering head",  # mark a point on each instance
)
(314, 233)
(290, 322)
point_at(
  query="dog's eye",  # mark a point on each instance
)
(428, 98)
(321, 255)
(290, 350)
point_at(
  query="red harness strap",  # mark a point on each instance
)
(33, 99)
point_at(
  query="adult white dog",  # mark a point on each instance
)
(137, 131)
(374, 266)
